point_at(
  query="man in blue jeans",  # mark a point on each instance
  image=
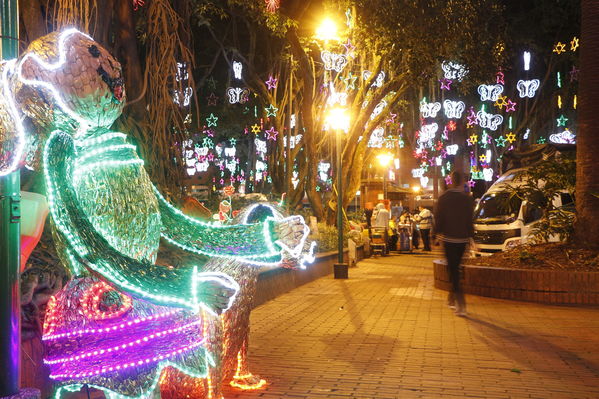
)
(453, 216)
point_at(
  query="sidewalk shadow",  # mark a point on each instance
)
(494, 337)
(364, 352)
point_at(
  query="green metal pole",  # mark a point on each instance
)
(339, 199)
(10, 213)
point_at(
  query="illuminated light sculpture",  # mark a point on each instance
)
(500, 141)
(271, 134)
(271, 110)
(559, 48)
(452, 149)
(527, 88)
(378, 109)
(349, 47)
(510, 106)
(526, 58)
(323, 171)
(272, 5)
(453, 109)
(237, 69)
(427, 133)
(256, 128)
(333, 61)
(511, 137)
(271, 83)
(565, 137)
(417, 173)
(350, 81)
(489, 121)
(260, 146)
(238, 95)
(445, 83)
(490, 92)
(430, 110)
(574, 44)
(212, 120)
(472, 118)
(377, 138)
(453, 70)
(561, 121)
(124, 321)
(501, 102)
(380, 78)
(488, 174)
(500, 78)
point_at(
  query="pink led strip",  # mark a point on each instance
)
(126, 366)
(124, 346)
(110, 329)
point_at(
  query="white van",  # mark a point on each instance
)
(499, 226)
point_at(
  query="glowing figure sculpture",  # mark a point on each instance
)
(333, 61)
(429, 110)
(526, 57)
(528, 88)
(377, 138)
(453, 109)
(237, 69)
(489, 121)
(453, 70)
(565, 137)
(490, 92)
(124, 321)
(238, 95)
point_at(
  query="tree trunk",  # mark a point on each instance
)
(35, 25)
(587, 179)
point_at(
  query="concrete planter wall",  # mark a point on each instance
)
(544, 286)
(275, 282)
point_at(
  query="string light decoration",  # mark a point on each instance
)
(527, 88)
(559, 48)
(237, 95)
(124, 319)
(510, 106)
(271, 110)
(271, 134)
(561, 121)
(565, 137)
(271, 83)
(526, 58)
(500, 78)
(574, 44)
(350, 81)
(445, 83)
(237, 69)
(272, 5)
(212, 120)
(212, 100)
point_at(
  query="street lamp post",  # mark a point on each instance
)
(338, 120)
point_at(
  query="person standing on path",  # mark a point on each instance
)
(425, 224)
(453, 218)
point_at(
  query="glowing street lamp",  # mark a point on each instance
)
(384, 160)
(338, 119)
(327, 30)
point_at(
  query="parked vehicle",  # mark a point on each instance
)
(501, 222)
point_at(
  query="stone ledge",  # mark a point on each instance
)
(543, 286)
(275, 282)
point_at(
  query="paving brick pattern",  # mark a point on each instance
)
(387, 333)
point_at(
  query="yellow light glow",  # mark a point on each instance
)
(559, 102)
(327, 30)
(384, 159)
(415, 188)
(338, 119)
(574, 102)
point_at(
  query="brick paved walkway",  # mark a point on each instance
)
(387, 333)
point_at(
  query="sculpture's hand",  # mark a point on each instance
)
(215, 291)
(292, 233)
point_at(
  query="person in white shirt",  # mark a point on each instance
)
(425, 224)
(382, 217)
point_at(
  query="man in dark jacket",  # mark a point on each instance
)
(454, 226)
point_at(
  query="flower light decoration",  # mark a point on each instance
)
(124, 324)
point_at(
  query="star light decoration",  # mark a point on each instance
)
(271, 134)
(574, 73)
(574, 44)
(473, 139)
(561, 121)
(500, 141)
(472, 118)
(349, 47)
(211, 82)
(272, 82)
(255, 128)
(350, 81)
(510, 137)
(501, 102)
(559, 48)
(445, 83)
(500, 78)
(483, 158)
(510, 106)
(271, 110)
(212, 120)
(212, 99)
(471, 183)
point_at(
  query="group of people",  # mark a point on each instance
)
(451, 222)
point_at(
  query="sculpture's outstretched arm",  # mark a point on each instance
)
(254, 243)
(181, 287)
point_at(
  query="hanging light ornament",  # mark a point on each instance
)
(272, 5)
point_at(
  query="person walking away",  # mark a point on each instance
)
(453, 220)
(425, 224)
